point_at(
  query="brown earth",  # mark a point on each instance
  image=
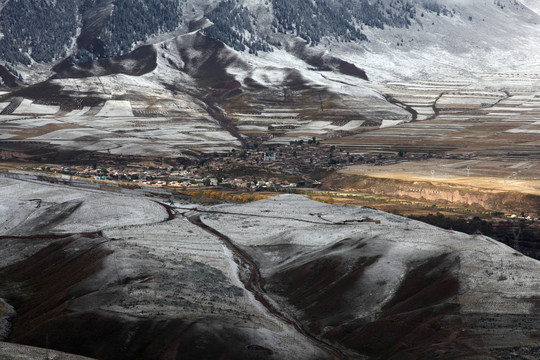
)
(420, 320)
(136, 63)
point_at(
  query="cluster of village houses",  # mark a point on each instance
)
(165, 177)
(296, 159)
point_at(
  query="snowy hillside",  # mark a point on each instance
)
(477, 37)
(217, 75)
(284, 278)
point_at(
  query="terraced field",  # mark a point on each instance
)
(470, 134)
(494, 115)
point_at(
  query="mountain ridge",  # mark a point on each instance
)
(104, 28)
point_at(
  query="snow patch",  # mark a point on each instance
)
(29, 107)
(390, 123)
(118, 108)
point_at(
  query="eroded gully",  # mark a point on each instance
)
(255, 286)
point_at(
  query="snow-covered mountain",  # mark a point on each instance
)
(246, 67)
(389, 38)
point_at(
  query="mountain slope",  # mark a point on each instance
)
(361, 31)
(284, 278)
(208, 96)
(386, 286)
(247, 73)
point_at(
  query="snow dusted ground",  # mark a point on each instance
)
(116, 108)
(493, 278)
(20, 352)
(194, 275)
(495, 115)
(390, 123)
(480, 37)
(157, 270)
(496, 39)
(29, 107)
(36, 205)
(351, 95)
(176, 269)
(158, 121)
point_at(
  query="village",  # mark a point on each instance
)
(269, 167)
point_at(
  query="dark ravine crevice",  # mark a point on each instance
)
(402, 105)
(507, 96)
(434, 107)
(171, 214)
(212, 102)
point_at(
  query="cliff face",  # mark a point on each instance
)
(509, 202)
